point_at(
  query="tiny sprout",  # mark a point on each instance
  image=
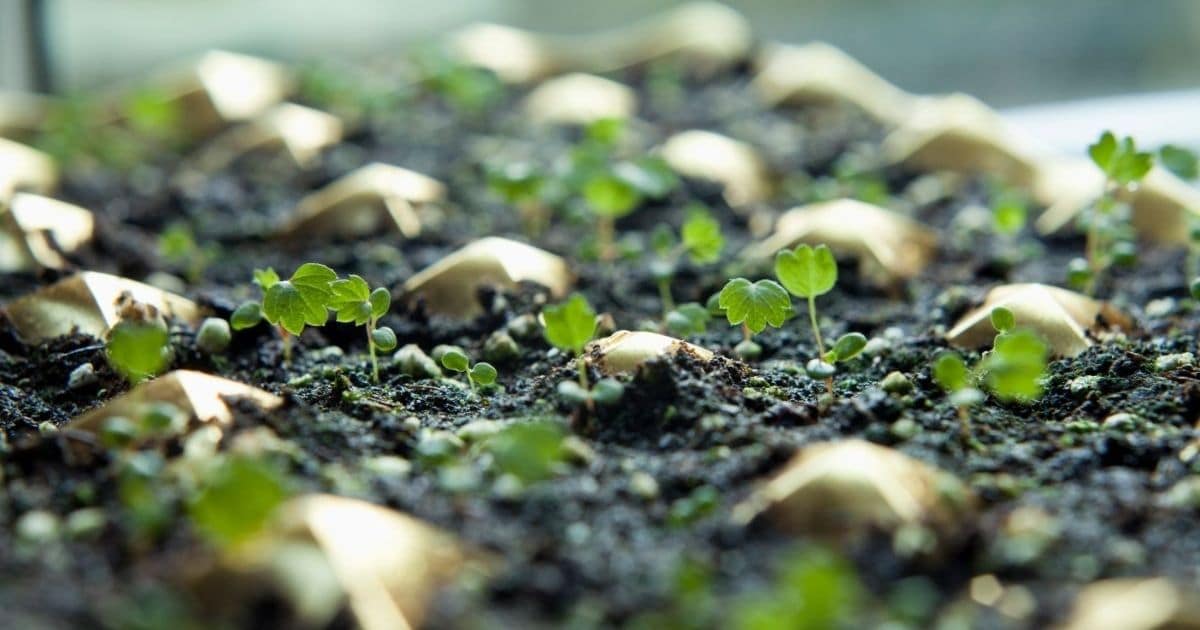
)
(569, 326)
(1106, 224)
(478, 374)
(700, 239)
(291, 304)
(213, 336)
(354, 301)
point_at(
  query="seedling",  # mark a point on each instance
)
(1012, 370)
(481, 373)
(138, 349)
(700, 239)
(289, 305)
(808, 272)
(754, 305)
(1106, 224)
(569, 326)
(354, 301)
(521, 184)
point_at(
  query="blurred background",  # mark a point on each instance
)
(1007, 52)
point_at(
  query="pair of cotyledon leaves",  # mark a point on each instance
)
(805, 272)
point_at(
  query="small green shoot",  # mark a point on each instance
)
(808, 272)
(569, 326)
(289, 305)
(700, 240)
(754, 305)
(478, 374)
(354, 301)
(138, 349)
(1110, 238)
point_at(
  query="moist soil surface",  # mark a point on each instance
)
(593, 544)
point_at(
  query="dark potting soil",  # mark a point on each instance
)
(586, 548)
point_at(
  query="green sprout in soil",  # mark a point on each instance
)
(754, 305)
(569, 326)
(700, 239)
(138, 347)
(477, 374)
(1110, 238)
(1012, 370)
(521, 184)
(289, 305)
(808, 272)
(177, 246)
(354, 301)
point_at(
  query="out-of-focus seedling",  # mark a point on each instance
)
(701, 241)
(569, 326)
(1110, 238)
(354, 301)
(1012, 370)
(139, 346)
(754, 305)
(289, 305)
(477, 374)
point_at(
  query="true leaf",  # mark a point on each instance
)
(570, 325)
(806, 271)
(755, 304)
(351, 300)
(301, 300)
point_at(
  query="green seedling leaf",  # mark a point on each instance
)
(483, 373)
(301, 300)
(755, 304)
(456, 361)
(650, 176)
(237, 500)
(573, 393)
(246, 316)
(570, 325)
(702, 236)
(608, 391)
(688, 319)
(530, 451)
(611, 196)
(351, 300)
(950, 372)
(847, 347)
(265, 278)
(516, 182)
(1009, 215)
(381, 301)
(138, 350)
(1015, 366)
(384, 338)
(1180, 161)
(1003, 319)
(806, 271)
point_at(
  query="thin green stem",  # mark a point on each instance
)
(664, 294)
(812, 317)
(371, 346)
